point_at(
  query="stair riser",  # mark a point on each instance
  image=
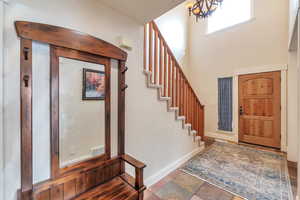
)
(168, 101)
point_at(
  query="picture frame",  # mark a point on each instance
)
(93, 86)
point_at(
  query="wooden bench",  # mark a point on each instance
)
(123, 187)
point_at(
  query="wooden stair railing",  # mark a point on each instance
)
(165, 73)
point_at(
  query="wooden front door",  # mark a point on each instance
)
(259, 109)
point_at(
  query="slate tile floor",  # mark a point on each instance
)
(181, 186)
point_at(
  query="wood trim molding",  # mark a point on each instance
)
(26, 118)
(68, 38)
(55, 53)
(260, 69)
(121, 112)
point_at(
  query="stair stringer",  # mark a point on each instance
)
(185, 125)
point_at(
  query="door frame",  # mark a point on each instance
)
(254, 70)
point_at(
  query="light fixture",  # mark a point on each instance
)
(203, 8)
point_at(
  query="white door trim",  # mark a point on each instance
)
(254, 70)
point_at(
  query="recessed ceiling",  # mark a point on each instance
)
(142, 11)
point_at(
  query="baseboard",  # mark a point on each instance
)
(222, 136)
(168, 169)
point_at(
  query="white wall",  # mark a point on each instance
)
(292, 124)
(298, 132)
(293, 8)
(293, 82)
(260, 42)
(1, 101)
(158, 141)
(174, 26)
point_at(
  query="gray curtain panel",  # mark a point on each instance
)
(225, 103)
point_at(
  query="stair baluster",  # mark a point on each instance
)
(166, 74)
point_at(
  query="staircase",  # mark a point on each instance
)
(165, 74)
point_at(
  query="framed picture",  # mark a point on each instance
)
(93, 85)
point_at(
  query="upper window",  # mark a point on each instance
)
(230, 13)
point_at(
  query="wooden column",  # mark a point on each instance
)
(173, 84)
(160, 62)
(121, 113)
(155, 56)
(169, 76)
(108, 108)
(165, 70)
(145, 47)
(54, 111)
(177, 87)
(26, 119)
(150, 47)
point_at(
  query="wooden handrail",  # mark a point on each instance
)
(155, 28)
(166, 72)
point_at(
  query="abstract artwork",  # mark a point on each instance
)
(93, 85)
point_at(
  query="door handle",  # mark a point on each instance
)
(241, 110)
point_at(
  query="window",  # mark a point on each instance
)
(225, 104)
(230, 13)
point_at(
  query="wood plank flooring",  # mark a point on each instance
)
(115, 189)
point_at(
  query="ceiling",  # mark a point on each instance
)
(142, 11)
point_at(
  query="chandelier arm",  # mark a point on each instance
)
(204, 8)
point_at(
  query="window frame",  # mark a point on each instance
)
(252, 18)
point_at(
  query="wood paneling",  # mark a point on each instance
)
(80, 185)
(68, 38)
(121, 112)
(26, 118)
(74, 184)
(259, 103)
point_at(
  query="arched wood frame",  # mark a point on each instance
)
(80, 42)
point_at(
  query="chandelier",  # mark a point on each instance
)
(203, 8)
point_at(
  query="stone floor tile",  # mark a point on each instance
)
(195, 198)
(148, 195)
(210, 192)
(159, 184)
(172, 191)
(188, 182)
